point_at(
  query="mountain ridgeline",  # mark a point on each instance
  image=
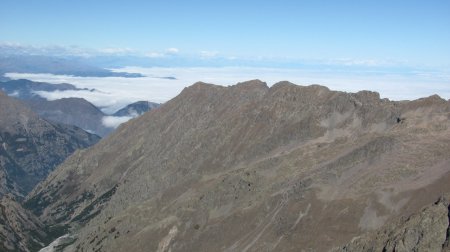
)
(253, 168)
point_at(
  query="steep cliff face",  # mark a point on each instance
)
(31, 147)
(253, 168)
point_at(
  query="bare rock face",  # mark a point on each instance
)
(253, 168)
(31, 147)
(423, 231)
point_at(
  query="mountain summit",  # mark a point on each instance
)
(253, 168)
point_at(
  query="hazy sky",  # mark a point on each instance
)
(399, 32)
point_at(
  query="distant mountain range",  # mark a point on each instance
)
(54, 65)
(71, 111)
(26, 89)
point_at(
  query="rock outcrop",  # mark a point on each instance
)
(423, 231)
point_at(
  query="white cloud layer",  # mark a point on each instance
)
(116, 92)
(114, 121)
(117, 50)
(168, 52)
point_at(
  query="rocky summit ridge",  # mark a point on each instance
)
(253, 168)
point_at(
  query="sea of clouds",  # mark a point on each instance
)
(113, 93)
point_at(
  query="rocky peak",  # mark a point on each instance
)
(252, 84)
(200, 85)
(431, 103)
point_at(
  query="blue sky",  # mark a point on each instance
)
(400, 48)
(415, 33)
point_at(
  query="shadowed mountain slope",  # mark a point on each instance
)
(30, 147)
(20, 230)
(71, 111)
(253, 168)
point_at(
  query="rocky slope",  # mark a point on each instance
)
(427, 230)
(252, 168)
(20, 230)
(31, 147)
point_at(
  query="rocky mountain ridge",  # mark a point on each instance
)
(252, 168)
